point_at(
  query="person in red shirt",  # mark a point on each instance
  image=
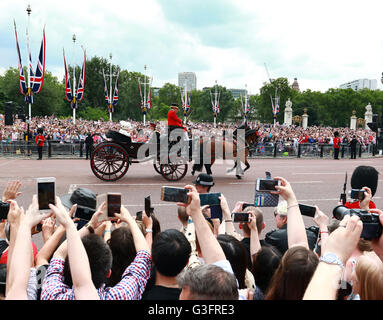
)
(336, 142)
(173, 120)
(40, 139)
(175, 123)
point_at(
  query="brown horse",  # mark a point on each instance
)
(228, 150)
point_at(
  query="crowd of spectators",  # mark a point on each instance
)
(207, 258)
(65, 131)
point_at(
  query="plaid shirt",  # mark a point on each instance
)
(131, 286)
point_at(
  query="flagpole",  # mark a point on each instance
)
(145, 94)
(74, 81)
(29, 10)
(110, 89)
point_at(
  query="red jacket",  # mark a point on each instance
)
(336, 143)
(173, 119)
(40, 140)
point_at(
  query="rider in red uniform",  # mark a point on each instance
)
(173, 120)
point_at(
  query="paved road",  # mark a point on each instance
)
(315, 181)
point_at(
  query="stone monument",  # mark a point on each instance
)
(288, 113)
(367, 115)
(353, 120)
(305, 118)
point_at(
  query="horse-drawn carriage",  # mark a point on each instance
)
(111, 158)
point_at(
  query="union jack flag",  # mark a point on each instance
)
(115, 94)
(81, 84)
(105, 89)
(149, 103)
(68, 89)
(38, 79)
(23, 86)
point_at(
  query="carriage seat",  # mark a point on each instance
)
(119, 136)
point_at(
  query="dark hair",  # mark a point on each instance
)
(209, 282)
(156, 225)
(293, 274)
(365, 176)
(236, 254)
(170, 252)
(266, 261)
(123, 251)
(100, 260)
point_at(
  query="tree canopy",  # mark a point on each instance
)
(331, 108)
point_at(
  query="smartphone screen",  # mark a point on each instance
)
(45, 194)
(216, 212)
(240, 216)
(212, 199)
(147, 206)
(173, 194)
(267, 184)
(139, 216)
(114, 204)
(307, 210)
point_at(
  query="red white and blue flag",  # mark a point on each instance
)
(115, 94)
(23, 86)
(105, 89)
(68, 89)
(81, 84)
(38, 79)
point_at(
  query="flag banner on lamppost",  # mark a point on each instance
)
(35, 79)
(74, 96)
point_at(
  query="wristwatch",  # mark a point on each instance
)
(331, 258)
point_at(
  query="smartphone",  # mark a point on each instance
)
(267, 185)
(173, 194)
(357, 194)
(211, 199)
(84, 213)
(113, 204)
(46, 192)
(148, 206)
(240, 216)
(216, 212)
(139, 216)
(307, 210)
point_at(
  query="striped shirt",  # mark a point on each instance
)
(131, 286)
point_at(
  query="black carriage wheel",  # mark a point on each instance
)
(157, 167)
(109, 162)
(173, 172)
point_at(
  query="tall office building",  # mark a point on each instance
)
(189, 79)
(360, 84)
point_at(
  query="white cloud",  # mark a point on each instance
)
(323, 44)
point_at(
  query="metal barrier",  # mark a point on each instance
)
(55, 149)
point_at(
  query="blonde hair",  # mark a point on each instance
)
(369, 272)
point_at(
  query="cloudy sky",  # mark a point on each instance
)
(322, 43)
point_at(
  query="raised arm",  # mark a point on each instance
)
(84, 288)
(21, 259)
(340, 244)
(296, 231)
(255, 244)
(210, 247)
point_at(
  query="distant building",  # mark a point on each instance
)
(237, 93)
(295, 85)
(189, 79)
(155, 91)
(360, 84)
